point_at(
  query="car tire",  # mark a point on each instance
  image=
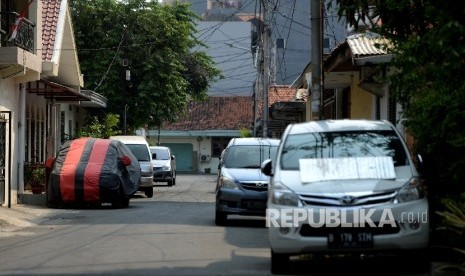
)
(279, 263)
(124, 202)
(120, 200)
(417, 260)
(149, 192)
(174, 178)
(220, 218)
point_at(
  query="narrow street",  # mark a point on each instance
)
(172, 233)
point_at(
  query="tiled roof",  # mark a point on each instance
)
(278, 93)
(367, 44)
(217, 113)
(50, 13)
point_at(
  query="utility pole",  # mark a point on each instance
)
(316, 39)
(127, 78)
(266, 65)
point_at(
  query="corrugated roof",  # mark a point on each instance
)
(50, 13)
(367, 44)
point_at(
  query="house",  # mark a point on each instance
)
(284, 108)
(203, 131)
(355, 84)
(41, 101)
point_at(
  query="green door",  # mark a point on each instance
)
(183, 154)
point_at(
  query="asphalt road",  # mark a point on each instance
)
(172, 233)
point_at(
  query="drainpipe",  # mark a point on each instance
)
(21, 136)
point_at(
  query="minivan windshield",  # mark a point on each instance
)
(140, 151)
(160, 154)
(342, 144)
(248, 156)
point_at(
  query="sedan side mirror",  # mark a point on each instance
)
(266, 167)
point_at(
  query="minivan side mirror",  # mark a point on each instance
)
(420, 163)
(266, 167)
(172, 157)
(154, 156)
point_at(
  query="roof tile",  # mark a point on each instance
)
(217, 113)
(50, 13)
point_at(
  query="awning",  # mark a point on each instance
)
(56, 91)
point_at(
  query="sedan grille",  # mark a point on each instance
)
(345, 200)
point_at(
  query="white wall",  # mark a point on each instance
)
(9, 101)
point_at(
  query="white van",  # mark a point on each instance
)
(140, 148)
(345, 186)
(164, 165)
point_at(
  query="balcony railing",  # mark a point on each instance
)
(24, 37)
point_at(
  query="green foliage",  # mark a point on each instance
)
(452, 226)
(34, 175)
(454, 215)
(156, 43)
(430, 57)
(95, 128)
(245, 132)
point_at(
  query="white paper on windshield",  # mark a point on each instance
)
(312, 170)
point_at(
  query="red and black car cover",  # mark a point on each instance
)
(92, 170)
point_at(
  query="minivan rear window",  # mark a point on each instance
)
(342, 144)
(140, 151)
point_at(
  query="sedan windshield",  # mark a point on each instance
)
(248, 156)
(342, 144)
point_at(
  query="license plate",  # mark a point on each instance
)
(256, 205)
(350, 240)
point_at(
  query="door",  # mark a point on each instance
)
(4, 130)
(183, 154)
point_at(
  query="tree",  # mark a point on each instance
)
(155, 43)
(429, 44)
(97, 129)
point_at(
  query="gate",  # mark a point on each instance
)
(5, 128)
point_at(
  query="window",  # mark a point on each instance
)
(139, 151)
(249, 156)
(342, 144)
(219, 144)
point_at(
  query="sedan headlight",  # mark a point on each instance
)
(282, 195)
(228, 183)
(413, 190)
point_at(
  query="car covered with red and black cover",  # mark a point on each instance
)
(89, 171)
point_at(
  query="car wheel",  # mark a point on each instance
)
(417, 260)
(279, 263)
(120, 200)
(149, 192)
(124, 202)
(174, 178)
(220, 218)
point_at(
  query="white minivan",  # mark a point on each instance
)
(345, 186)
(140, 148)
